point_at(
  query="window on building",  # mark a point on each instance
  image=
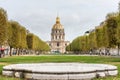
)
(65, 44)
(56, 37)
(58, 44)
(59, 37)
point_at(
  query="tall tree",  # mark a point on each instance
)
(15, 35)
(23, 35)
(92, 40)
(35, 43)
(99, 36)
(112, 31)
(3, 26)
(105, 37)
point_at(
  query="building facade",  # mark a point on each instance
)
(58, 43)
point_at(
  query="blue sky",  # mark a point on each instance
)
(77, 16)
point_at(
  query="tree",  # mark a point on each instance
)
(17, 36)
(99, 37)
(3, 26)
(23, 35)
(105, 37)
(112, 31)
(68, 48)
(30, 41)
(92, 40)
(75, 45)
(35, 43)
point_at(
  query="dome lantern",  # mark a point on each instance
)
(57, 20)
(57, 25)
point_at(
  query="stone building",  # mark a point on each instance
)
(58, 43)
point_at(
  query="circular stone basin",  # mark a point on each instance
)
(59, 71)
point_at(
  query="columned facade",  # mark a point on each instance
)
(58, 43)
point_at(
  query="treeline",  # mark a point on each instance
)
(18, 37)
(104, 36)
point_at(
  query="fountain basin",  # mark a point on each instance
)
(59, 71)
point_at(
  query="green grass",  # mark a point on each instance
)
(1, 66)
(30, 59)
(60, 58)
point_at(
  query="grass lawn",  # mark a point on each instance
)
(60, 58)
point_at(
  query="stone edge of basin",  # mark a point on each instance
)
(22, 73)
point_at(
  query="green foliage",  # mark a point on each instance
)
(75, 46)
(118, 29)
(99, 37)
(68, 48)
(16, 35)
(112, 31)
(105, 35)
(3, 26)
(23, 35)
(35, 43)
(82, 43)
(30, 41)
(92, 41)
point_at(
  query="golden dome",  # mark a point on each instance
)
(57, 25)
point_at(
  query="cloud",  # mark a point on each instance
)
(77, 16)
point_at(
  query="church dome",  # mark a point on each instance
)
(57, 25)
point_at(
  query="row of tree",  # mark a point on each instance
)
(35, 43)
(16, 35)
(106, 35)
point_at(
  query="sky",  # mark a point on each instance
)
(77, 16)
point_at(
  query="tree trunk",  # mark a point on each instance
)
(118, 49)
(10, 51)
(17, 51)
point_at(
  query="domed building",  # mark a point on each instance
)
(58, 43)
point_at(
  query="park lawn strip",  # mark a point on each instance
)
(37, 59)
(59, 58)
(1, 67)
